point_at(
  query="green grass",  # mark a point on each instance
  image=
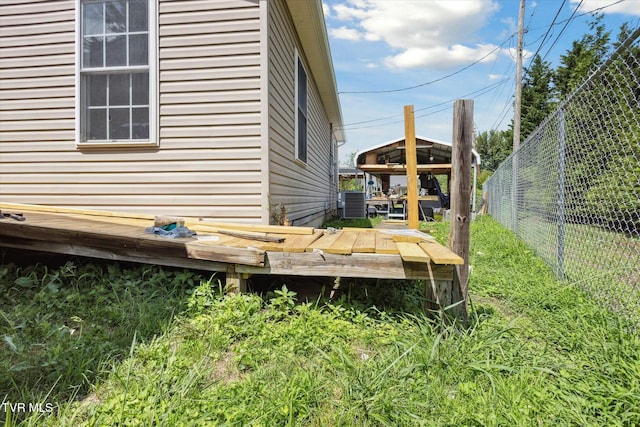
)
(62, 325)
(604, 263)
(356, 222)
(536, 352)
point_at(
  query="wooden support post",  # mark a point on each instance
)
(235, 282)
(461, 202)
(386, 183)
(437, 295)
(412, 166)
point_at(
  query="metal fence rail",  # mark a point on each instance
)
(572, 190)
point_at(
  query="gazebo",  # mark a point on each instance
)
(389, 158)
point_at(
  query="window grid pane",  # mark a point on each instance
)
(115, 34)
(301, 114)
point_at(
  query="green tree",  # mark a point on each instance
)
(353, 184)
(494, 146)
(537, 96)
(615, 191)
(584, 55)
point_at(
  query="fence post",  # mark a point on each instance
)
(514, 192)
(561, 190)
(461, 202)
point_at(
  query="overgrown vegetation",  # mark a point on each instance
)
(62, 325)
(537, 352)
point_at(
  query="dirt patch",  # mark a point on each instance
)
(497, 304)
(225, 369)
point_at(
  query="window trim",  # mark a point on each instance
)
(300, 63)
(153, 140)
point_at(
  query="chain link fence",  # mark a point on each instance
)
(572, 189)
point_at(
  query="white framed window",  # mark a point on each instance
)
(301, 111)
(116, 72)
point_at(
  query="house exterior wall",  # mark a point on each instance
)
(208, 159)
(308, 191)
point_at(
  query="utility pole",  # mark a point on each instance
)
(516, 106)
(516, 120)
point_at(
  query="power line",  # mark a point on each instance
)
(477, 93)
(567, 22)
(573, 16)
(488, 54)
(429, 82)
(485, 89)
(550, 28)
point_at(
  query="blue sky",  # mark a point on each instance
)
(386, 46)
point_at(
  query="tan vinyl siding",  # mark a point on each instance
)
(37, 83)
(305, 189)
(208, 160)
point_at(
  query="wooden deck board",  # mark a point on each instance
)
(385, 244)
(277, 229)
(297, 244)
(412, 252)
(324, 242)
(343, 245)
(356, 265)
(440, 254)
(365, 243)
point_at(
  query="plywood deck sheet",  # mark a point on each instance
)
(121, 239)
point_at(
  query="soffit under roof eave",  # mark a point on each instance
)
(308, 19)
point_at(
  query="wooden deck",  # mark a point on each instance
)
(235, 249)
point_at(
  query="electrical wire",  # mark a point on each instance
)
(448, 102)
(429, 82)
(550, 27)
(567, 22)
(487, 88)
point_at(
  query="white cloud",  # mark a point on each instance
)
(442, 56)
(348, 13)
(326, 10)
(628, 7)
(512, 25)
(512, 53)
(345, 33)
(425, 33)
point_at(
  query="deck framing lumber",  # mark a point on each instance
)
(355, 265)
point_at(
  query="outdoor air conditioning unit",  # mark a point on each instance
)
(352, 204)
